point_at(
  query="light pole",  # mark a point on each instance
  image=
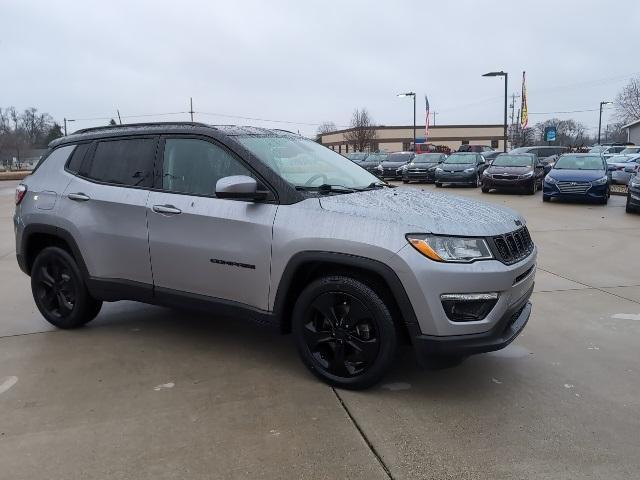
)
(600, 119)
(506, 79)
(65, 124)
(412, 94)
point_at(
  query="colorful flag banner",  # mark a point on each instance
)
(524, 111)
(426, 127)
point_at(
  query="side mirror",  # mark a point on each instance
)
(241, 187)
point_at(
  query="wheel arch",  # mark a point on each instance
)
(303, 267)
(36, 237)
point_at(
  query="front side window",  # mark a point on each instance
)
(304, 163)
(194, 166)
(127, 162)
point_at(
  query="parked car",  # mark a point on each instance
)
(489, 156)
(630, 150)
(608, 150)
(475, 148)
(357, 157)
(372, 162)
(509, 171)
(578, 176)
(267, 225)
(423, 167)
(461, 169)
(632, 168)
(547, 154)
(389, 167)
(617, 167)
(633, 194)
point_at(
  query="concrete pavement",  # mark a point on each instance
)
(146, 392)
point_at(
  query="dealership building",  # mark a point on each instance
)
(398, 137)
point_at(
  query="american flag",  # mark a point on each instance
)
(426, 125)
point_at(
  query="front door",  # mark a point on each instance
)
(200, 244)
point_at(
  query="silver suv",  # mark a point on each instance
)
(273, 227)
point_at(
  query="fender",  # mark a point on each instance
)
(347, 260)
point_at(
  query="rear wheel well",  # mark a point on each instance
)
(309, 271)
(36, 242)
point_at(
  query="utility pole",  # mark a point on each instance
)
(434, 118)
(191, 107)
(119, 119)
(65, 126)
(514, 130)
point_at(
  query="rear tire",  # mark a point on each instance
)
(546, 198)
(485, 189)
(344, 332)
(59, 290)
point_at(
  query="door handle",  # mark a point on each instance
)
(78, 197)
(167, 209)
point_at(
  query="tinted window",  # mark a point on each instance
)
(579, 162)
(122, 162)
(507, 160)
(75, 162)
(399, 157)
(461, 158)
(195, 166)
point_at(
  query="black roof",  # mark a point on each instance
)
(156, 128)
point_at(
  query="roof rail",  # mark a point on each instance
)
(144, 124)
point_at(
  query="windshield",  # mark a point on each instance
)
(520, 150)
(399, 157)
(458, 158)
(377, 157)
(597, 149)
(357, 156)
(630, 150)
(427, 158)
(304, 163)
(577, 162)
(506, 160)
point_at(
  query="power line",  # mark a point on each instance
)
(569, 111)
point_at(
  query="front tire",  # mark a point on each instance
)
(344, 332)
(438, 184)
(546, 198)
(531, 190)
(59, 290)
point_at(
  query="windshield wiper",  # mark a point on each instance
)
(374, 185)
(327, 188)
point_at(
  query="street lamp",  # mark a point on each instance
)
(412, 94)
(600, 119)
(65, 124)
(506, 77)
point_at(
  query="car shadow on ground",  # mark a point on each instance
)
(244, 344)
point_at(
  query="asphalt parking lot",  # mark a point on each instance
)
(150, 393)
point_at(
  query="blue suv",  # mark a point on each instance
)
(578, 176)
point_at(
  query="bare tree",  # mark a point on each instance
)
(362, 132)
(326, 127)
(568, 132)
(628, 102)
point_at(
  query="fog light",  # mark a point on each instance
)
(468, 307)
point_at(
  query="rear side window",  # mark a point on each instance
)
(126, 162)
(59, 154)
(75, 162)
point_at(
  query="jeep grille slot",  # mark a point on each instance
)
(513, 247)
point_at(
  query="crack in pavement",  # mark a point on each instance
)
(364, 437)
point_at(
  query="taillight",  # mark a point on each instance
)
(21, 191)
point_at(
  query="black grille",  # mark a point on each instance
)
(513, 247)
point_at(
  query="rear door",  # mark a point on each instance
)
(200, 244)
(104, 207)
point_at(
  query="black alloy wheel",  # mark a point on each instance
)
(59, 290)
(344, 331)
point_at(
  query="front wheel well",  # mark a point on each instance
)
(309, 271)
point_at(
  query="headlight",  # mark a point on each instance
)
(486, 173)
(469, 170)
(527, 175)
(600, 181)
(450, 249)
(438, 169)
(550, 179)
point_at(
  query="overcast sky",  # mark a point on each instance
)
(313, 61)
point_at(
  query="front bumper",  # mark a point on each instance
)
(496, 182)
(422, 175)
(457, 177)
(506, 330)
(595, 192)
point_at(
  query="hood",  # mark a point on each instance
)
(426, 211)
(456, 167)
(577, 175)
(393, 164)
(510, 170)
